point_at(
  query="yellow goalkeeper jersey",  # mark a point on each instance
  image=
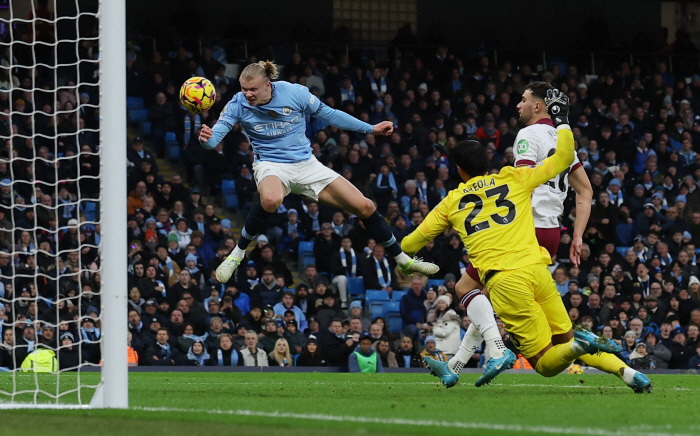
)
(493, 213)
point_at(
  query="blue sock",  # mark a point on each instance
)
(379, 230)
(255, 223)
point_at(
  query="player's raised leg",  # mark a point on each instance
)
(272, 193)
(516, 296)
(342, 194)
(612, 364)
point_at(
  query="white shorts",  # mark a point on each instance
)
(306, 178)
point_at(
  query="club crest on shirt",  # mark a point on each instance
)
(287, 110)
(273, 114)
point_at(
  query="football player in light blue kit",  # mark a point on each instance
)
(272, 116)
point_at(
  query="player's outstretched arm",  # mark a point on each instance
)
(558, 107)
(433, 225)
(344, 121)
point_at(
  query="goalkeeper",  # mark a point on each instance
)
(273, 117)
(493, 215)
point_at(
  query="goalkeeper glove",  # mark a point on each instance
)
(557, 106)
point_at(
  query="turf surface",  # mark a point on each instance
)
(374, 404)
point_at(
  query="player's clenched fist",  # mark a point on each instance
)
(385, 128)
(557, 106)
(205, 133)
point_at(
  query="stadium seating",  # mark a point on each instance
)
(356, 287)
(374, 302)
(397, 295)
(228, 194)
(172, 146)
(392, 316)
(622, 250)
(306, 248)
(434, 282)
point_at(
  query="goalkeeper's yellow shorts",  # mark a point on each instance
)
(528, 303)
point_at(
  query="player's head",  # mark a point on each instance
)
(471, 159)
(255, 82)
(531, 106)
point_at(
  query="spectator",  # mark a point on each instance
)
(413, 309)
(280, 354)
(252, 355)
(325, 245)
(294, 337)
(336, 347)
(344, 265)
(328, 311)
(694, 362)
(387, 357)
(407, 356)
(161, 354)
(446, 327)
(197, 354)
(432, 351)
(656, 351)
(377, 271)
(268, 338)
(311, 355)
(365, 359)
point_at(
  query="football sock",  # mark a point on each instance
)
(379, 230)
(480, 311)
(470, 342)
(557, 358)
(255, 223)
(609, 363)
(628, 375)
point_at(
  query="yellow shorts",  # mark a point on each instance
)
(528, 303)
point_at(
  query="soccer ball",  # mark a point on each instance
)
(197, 94)
(575, 369)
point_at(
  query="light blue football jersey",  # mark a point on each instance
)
(277, 130)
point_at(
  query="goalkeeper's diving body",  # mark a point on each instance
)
(273, 117)
(493, 215)
(536, 142)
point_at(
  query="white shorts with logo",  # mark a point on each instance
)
(307, 178)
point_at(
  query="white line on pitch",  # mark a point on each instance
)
(426, 423)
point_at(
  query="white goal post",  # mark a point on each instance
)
(112, 389)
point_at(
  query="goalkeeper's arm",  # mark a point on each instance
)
(433, 225)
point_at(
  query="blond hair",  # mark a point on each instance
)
(280, 357)
(260, 69)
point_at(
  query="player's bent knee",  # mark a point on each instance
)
(365, 208)
(271, 203)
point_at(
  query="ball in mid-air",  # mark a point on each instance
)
(197, 94)
(575, 368)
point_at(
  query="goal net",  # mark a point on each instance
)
(62, 204)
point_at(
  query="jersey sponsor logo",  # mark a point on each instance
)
(523, 146)
(287, 110)
(276, 128)
(313, 99)
(223, 112)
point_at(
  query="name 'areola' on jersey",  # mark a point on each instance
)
(534, 144)
(277, 129)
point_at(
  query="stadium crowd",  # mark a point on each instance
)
(637, 136)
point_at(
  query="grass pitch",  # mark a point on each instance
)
(369, 404)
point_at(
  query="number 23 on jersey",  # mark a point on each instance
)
(496, 201)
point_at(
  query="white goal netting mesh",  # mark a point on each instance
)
(50, 273)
